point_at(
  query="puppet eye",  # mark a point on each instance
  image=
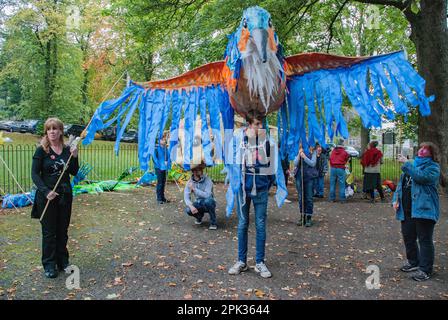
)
(270, 23)
(245, 23)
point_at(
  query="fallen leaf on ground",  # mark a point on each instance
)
(127, 264)
(259, 293)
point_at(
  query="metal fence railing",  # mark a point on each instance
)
(107, 166)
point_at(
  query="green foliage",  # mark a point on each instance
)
(159, 39)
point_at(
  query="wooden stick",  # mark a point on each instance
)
(56, 185)
(105, 97)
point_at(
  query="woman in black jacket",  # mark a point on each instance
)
(48, 163)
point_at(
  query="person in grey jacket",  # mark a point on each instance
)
(201, 186)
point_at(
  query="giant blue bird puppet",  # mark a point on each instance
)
(306, 89)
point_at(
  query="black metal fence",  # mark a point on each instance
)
(16, 169)
(107, 166)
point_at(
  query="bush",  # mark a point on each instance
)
(40, 128)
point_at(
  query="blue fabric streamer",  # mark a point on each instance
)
(205, 132)
(313, 109)
(190, 113)
(215, 122)
(177, 102)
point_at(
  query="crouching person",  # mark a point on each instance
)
(201, 186)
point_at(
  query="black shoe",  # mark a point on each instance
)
(51, 274)
(166, 201)
(421, 276)
(308, 222)
(407, 267)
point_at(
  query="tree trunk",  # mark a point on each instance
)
(85, 87)
(51, 69)
(430, 36)
(365, 132)
(365, 138)
(148, 65)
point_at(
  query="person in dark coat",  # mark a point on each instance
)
(322, 168)
(48, 164)
(304, 184)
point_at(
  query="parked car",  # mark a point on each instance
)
(15, 126)
(29, 126)
(73, 129)
(110, 133)
(5, 125)
(352, 151)
(130, 136)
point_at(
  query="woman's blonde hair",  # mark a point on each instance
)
(52, 123)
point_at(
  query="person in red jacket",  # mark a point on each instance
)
(338, 159)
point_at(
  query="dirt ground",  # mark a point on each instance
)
(126, 246)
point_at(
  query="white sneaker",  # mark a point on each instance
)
(287, 201)
(263, 270)
(238, 268)
(198, 222)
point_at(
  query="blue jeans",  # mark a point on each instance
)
(318, 186)
(203, 206)
(337, 175)
(260, 205)
(160, 187)
(307, 193)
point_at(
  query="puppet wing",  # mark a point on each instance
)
(317, 84)
(194, 94)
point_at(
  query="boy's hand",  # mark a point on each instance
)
(193, 209)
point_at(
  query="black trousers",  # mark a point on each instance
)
(421, 254)
(55, 232)
(372, 181)
(160, 187)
